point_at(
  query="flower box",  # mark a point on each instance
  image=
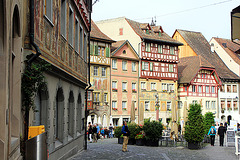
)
(146, 109)
(164, 91)
(114, 89)
(124, 90)
(115, 109)
(134, 90)
(124, 109)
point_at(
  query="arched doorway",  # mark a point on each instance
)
(59, 115)
(79, 122)
(71, 114)
(229, 118)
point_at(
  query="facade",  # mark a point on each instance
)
(100, 45)
(124, 82)
(158, 64)
(11, 25)
(195, 44)
(229, 92)
(198, 83)
(61, 31)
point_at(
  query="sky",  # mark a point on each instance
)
(210, 17)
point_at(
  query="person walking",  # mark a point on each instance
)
(126, 133)
(221, 132)
(110, 131)
(212, 133)
(90, 131)
(98, 131)
(94, 133)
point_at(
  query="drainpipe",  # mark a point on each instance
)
(89, 84)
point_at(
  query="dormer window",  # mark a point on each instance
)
(160, 34)
(147, 31)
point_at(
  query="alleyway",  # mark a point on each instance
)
(109, 149)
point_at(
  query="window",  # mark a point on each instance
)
(160, 48)
(147, 31)
(89, 97)
(207, 89)
(172, 50)
(81, 42)
(114, 64)
(213, 89)
(114, 104)
(85, 48)
(194, 102)
(95, 71)
(229, 105)
(103, 71)
(59, 115)
(229, 88)
(96, 96)
(103, 51)
(213, 104)
(63, 18)
(223, 105)
(199, 89)
(134, 86)
(180, 104)
(124, 86)
(70, 110)
(170, 87)
(134, 66)
(222, 88)
(193, 88)
(114, 84)
(120, 31)
(124, 65)
(143, 85)
(153, 86)
(235, 107)
(124, 105)
(48, 9)
(145, 65)
(235, 88)
(185, 88)
(151, 66)
(70, 30)
(169, 106)
(170, 67)
(105, 97)
(99, 50)
(164, 86)
(148, 45)
(207, 104)
(146, 105)
(76, 35)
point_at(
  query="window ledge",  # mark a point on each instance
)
(48, 20)
(58, 144)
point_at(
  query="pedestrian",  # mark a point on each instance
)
(126, 133)
(221, 132)
(90, 131)
(106, 132)
(212, 133)
(98, 131)
(110, 131)
(238, 127)
(102, 133)
(94, 130)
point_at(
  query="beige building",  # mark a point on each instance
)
(11, 25)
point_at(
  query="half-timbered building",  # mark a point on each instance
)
(99, 96)
(195, 44)
(124, 82)
(158, 64)
(59, 35)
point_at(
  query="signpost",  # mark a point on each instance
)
(230, 136)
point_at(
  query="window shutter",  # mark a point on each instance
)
(91, 49)
(96, 50)
(107, 52)
(142, 65)
(151, 66)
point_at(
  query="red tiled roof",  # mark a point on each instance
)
(97, 33)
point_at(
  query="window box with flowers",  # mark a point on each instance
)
(134, 90)
(124, 90)
(115, 109)
(172, 91)
(143, 89)
(229, 108)
(114, 89)
(147, 110)
(164, 90)
(124, 109)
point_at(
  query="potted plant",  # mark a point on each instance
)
(208, 121)
(118, 134)
(115, 109)
(134, 90)
(140, 139)
(133, 132)
(194, 129)
(153, 131)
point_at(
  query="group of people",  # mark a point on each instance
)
(95, 132)
(220, 132)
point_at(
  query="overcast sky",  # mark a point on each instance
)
(211, 17)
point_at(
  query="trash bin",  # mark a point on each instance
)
(36, 147)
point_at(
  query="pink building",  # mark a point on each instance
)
(124, 82)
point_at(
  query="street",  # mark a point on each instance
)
(110, 149)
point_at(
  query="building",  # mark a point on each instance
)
(125, 80)
(229, 92)
(195, 44)
(158, 54)
(198, 83)
(99, 108)
(11, 37)
(57, 32)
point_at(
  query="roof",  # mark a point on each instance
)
(188, 67)
(201, 47)
(139, 27)
(96, 33)
(230, 48)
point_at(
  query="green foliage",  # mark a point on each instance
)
(132, 127)
(32, 81)
(194, 129)
(152, 129)
(208, 121)
(118, 131)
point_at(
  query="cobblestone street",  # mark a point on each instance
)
(110, 149)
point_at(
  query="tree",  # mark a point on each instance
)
(208, 121)
(194, 129)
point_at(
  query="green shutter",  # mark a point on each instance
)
(91, 49)
(96, 50)
(107, 52)
(151, 66)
